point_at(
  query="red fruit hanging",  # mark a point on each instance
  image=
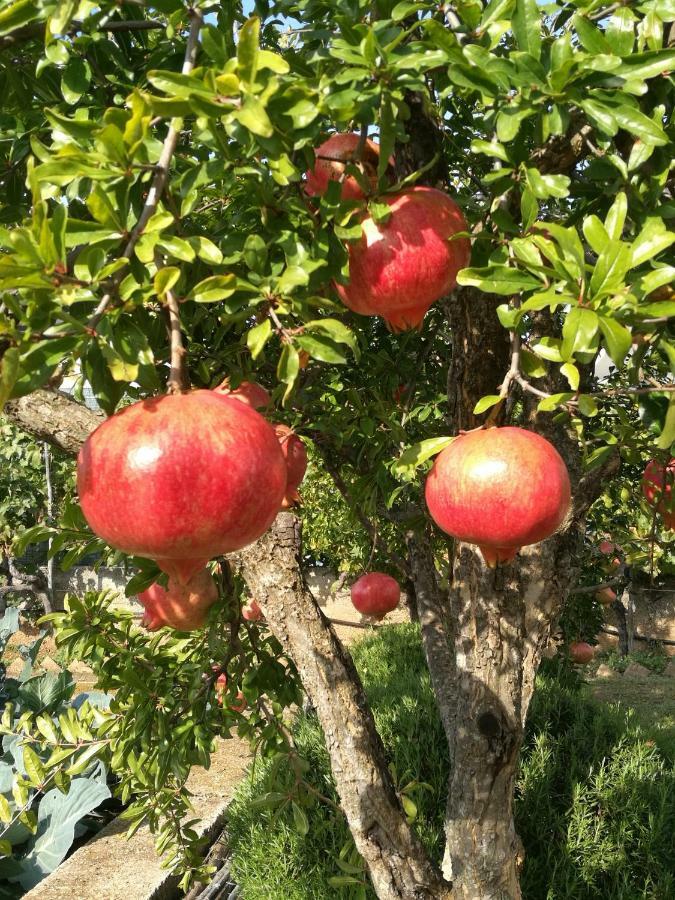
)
(606, 596)
(399, 268)
(331, 158)
(249, 392)
(295, 454)
(500, 488)
(181, 606)
(581, 653)
(657, 486)
(182, 478)
(375, 594)
(252, 612)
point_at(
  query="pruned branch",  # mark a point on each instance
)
(53, 417)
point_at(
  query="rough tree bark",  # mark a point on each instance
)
(396, 861)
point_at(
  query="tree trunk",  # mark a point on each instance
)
(397, 864)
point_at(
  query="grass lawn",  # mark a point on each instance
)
(651, 699)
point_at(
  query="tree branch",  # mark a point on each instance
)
(161, 175)
(397, 863)
(53, 417)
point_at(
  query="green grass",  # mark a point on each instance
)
(595, 803)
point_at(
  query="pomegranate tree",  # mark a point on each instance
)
(375, 594)
(657, 486)
(295, 455)
(249, 392)
(181, 606)
(581, 653)
(400, 267)
(331, 158)
(181, 478)
(500, 488)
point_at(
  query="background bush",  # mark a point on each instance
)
(595, 804)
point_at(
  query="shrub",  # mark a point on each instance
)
(595, 805)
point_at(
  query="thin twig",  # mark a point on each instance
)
(178, 381)
(161, 174)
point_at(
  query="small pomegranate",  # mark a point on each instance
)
(181, 606)
(398, 269)
(606, 596)
(375, 594)
(581, 653)
(295, 454)
(500, 488)
(331, 158)
(182, 478)
(657, 486)
(607, 547)
(252, 612)
(249, 392)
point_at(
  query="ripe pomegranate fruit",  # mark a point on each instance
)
(181, 606)
(296, 463)
(252, 612)
(607, 547)
(375, 594)
(249, 392)
(581, 653)
(331, 157)
(182, 478)
(606, 596)
(657, 486)
(500, 488)
(399, 268)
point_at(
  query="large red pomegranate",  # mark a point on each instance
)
(331, 157)
(581, 653)
(249, 392)
(375, 594)
(180, 606)
(399, 268)
(500, 488)
(182, 478)
(657, 486)
(295, 454)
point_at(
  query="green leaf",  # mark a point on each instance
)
(531, 365)
(213, 289)
(529, 209)
(579, 330)
(587, 405)
(571, 373)
(322, 348)
(33, 765)
(490, 148)
(409, 807)
(652, 240)
(496, 279)
(617, 339)
(616, 217)
(9, 372)
(600, 116)
(640, 66)
(509, 120)
(415, 456)
(620, 31)
(486, 403)
(610, 269)
(639, 125)
(292, 277)
(19, 13)
(526, 23)
(253, 116)
(247, 50)
(591, 37)
(258, 336)
(668, 434)
(288, 368)
(40, 361)
(336, 331)
(545, 186)
(595, 233)
(75, 79)
(176, 247)
(165, 279)
(300, 820)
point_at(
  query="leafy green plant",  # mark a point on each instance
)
(655, 660)
(41, 805)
